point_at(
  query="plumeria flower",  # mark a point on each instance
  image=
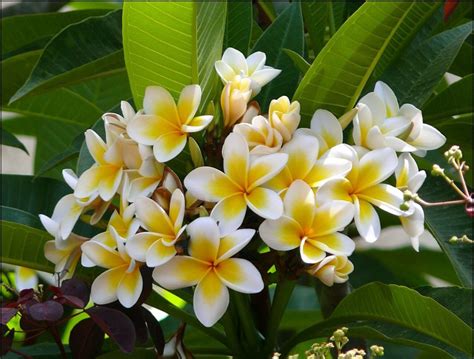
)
(284, 116)
(234, 64)
(380, 123)
(144, 181)
(211, 268)
(117, 124)
(364, 188)
(304, 164)
(66, 256)
(156, 245)
(234, 99)
(261, 138)
(410, 178)
(332, 269)
(122, 280)
(326, 128)
(166, 125)
(239, 186)
(313, 229)
(25, 278)
(105, 176)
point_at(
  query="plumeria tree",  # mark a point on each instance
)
(224, 178)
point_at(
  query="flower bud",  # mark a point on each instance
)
(437, 171)
(405, 206)
(196, 154)
(284, 116)
(407, 195)
(376, 351)
(234, 98)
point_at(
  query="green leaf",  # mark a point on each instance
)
(238, 25)
(316, 15)
(89, 49)
(173, 44)
(372, 37)
(462, 64)
(445, 222)
(286, 32)
(32, 32)
(399, 307)
(9, 139)
(298, 61)
(32, 7)
(454, 100)
(415, 75)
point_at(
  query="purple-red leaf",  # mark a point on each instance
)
(72, 301)
(7, 339)
(76, 288)
(86, 339)
(116, 324)
(25, 295)
(7, 314)
(155, 331)
(49, 311)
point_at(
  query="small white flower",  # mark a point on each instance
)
(380, 123)
(284, 116)
(235, 64)
(260, 136)
(332, 269)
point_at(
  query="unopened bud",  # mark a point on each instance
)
(196, 154)
(377, 350)
(405, 206)
(437, 171)
(407, 195)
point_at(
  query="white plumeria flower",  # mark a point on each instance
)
(144, 181)
(332, 269)
(25, 278)
(304, 163)
(234, 64)
(156, 245)
(284, 116)
(239, 186)
(313, 229)
(65, 257)
(125, 225)
(166, 125)
(116, 124)
(234, 99)
(380, 123)
(211, 268)
(122, 280)
(261, 138)
(326, 128)
(364, 188)
(105, 176)
(410, 178)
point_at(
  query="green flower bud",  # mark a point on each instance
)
(437, 171)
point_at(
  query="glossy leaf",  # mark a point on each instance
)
(455, 100)
(286, 32)
(397, 306)
(49, 311)
(28, 7)
(459, 223)
(187, 39)
(238, 28)
(31, 32)
(74, 55)
(316, 17)
(462, 64)
(9, 139)
(298, 61)
(415, 75)
(86, 339)
(372, 37)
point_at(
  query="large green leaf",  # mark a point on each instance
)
(32, 7)
(399, 307)
(368, 41)
(32, 32)
(238, 28)
(462, 64)
(286, 32)
(445, 222)
(173, 44)
(453, 101)
(316, 16)
(415, 75)
(89, 49)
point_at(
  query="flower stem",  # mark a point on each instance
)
(242, 307)
(233, 339)
(280, 300)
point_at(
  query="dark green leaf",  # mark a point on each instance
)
(316, 16)
(9, 139)
(454, 100)
(462, 64)
(298, 60)
(445, 222)
(415, 75)
(238, 25)
(89, 49)
(32, 7)
(32, 32)
(370, 39)
(286, 32)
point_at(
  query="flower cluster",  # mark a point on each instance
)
(256, 176)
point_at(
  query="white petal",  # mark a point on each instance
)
(188, 102)
(375, 167)
(230, 213)
(158, 101)
(325, 124)
(256, 61)
(299, 203)
(233, 243)
(264, 168)
(104, 287)
(414, 225)
(137, 246)
(169, 145)
(204, 239)
(130, 288)
(384, 196)
(264, 76)
(388, 96)
(225, 72)
(180, 272)
(265, 202)
(240, 275)
(282, 234)
(70, 178)
(236, 60)
(211, 299)
(366, 220)
(429, 139)
(209, 184)
(236, 158)
(377, 107)
(309, 253)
